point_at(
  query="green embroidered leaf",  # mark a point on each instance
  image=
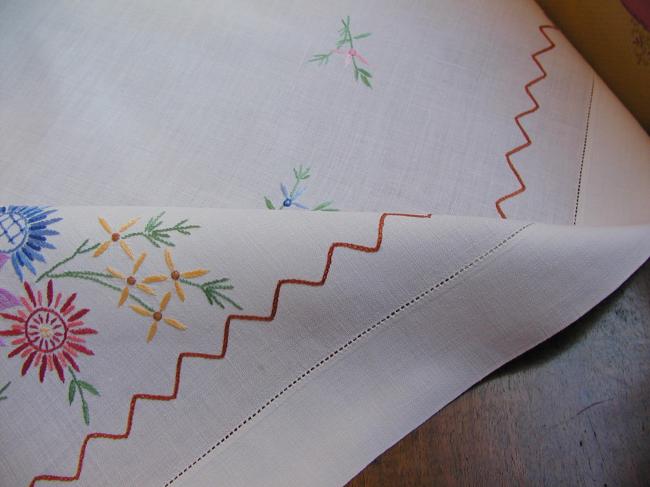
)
(364, 35)
(322, 206)
(72, 390)
(269, 203)
(161, 236)
(366, 81)
(89, 387)
(365, 73)
(86, 413)
(320, 58)
(3, 389)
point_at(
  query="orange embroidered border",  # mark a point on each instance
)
(522, 185)
(224, 347)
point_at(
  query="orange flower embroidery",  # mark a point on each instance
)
(131, 280)
(115, 237)
(158, 316)
(176, 275)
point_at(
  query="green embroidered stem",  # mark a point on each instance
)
(211, 290)
(97, 277)
(347, 39)
(80, 250)
(4, 388)
(80, 385)
(161, 236)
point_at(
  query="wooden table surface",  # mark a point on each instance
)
(574, 411)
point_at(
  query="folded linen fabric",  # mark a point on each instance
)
(455, 185)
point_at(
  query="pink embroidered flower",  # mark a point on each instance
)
(350, 54)
(48, 332)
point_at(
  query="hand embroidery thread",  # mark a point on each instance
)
(290, 197)
(7, 299)
(158, 235)
(24, 231)
(158, 317)
(351, 54)
(49, 332)
(80, 385)
(3, 389)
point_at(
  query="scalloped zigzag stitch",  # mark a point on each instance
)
(224, 346)
(522, 185)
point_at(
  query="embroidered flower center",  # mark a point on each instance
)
(157, 316)
(115, 237)
(176, 275)
(287, 202)
(45, 330)
(131, 280)
(13, 232)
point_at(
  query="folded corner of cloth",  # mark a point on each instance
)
(217, 335)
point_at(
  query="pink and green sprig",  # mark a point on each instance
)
(345, 47)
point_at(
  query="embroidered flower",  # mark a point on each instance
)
(158, 317)
(49, 332)
(115, 237)
(23, 235)
(131, 280)
(7, 300)
(176, 276)
(290, 197)
(345, 46)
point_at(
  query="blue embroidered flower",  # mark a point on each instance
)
(290, 198)
(23, 235)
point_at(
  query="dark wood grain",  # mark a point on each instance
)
(573, 411)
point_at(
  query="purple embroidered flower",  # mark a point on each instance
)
(7, 300)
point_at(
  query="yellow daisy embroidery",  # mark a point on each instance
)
(158, 317)
(115, 237)
(131, 280)
(176, 275)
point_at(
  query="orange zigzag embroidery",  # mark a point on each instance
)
(224, 346)
(522, 185)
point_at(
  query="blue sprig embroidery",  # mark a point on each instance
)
(290, 198)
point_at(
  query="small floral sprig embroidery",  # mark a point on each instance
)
(156, 233)
(346, 39)
(290, 198)
(80, 385)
